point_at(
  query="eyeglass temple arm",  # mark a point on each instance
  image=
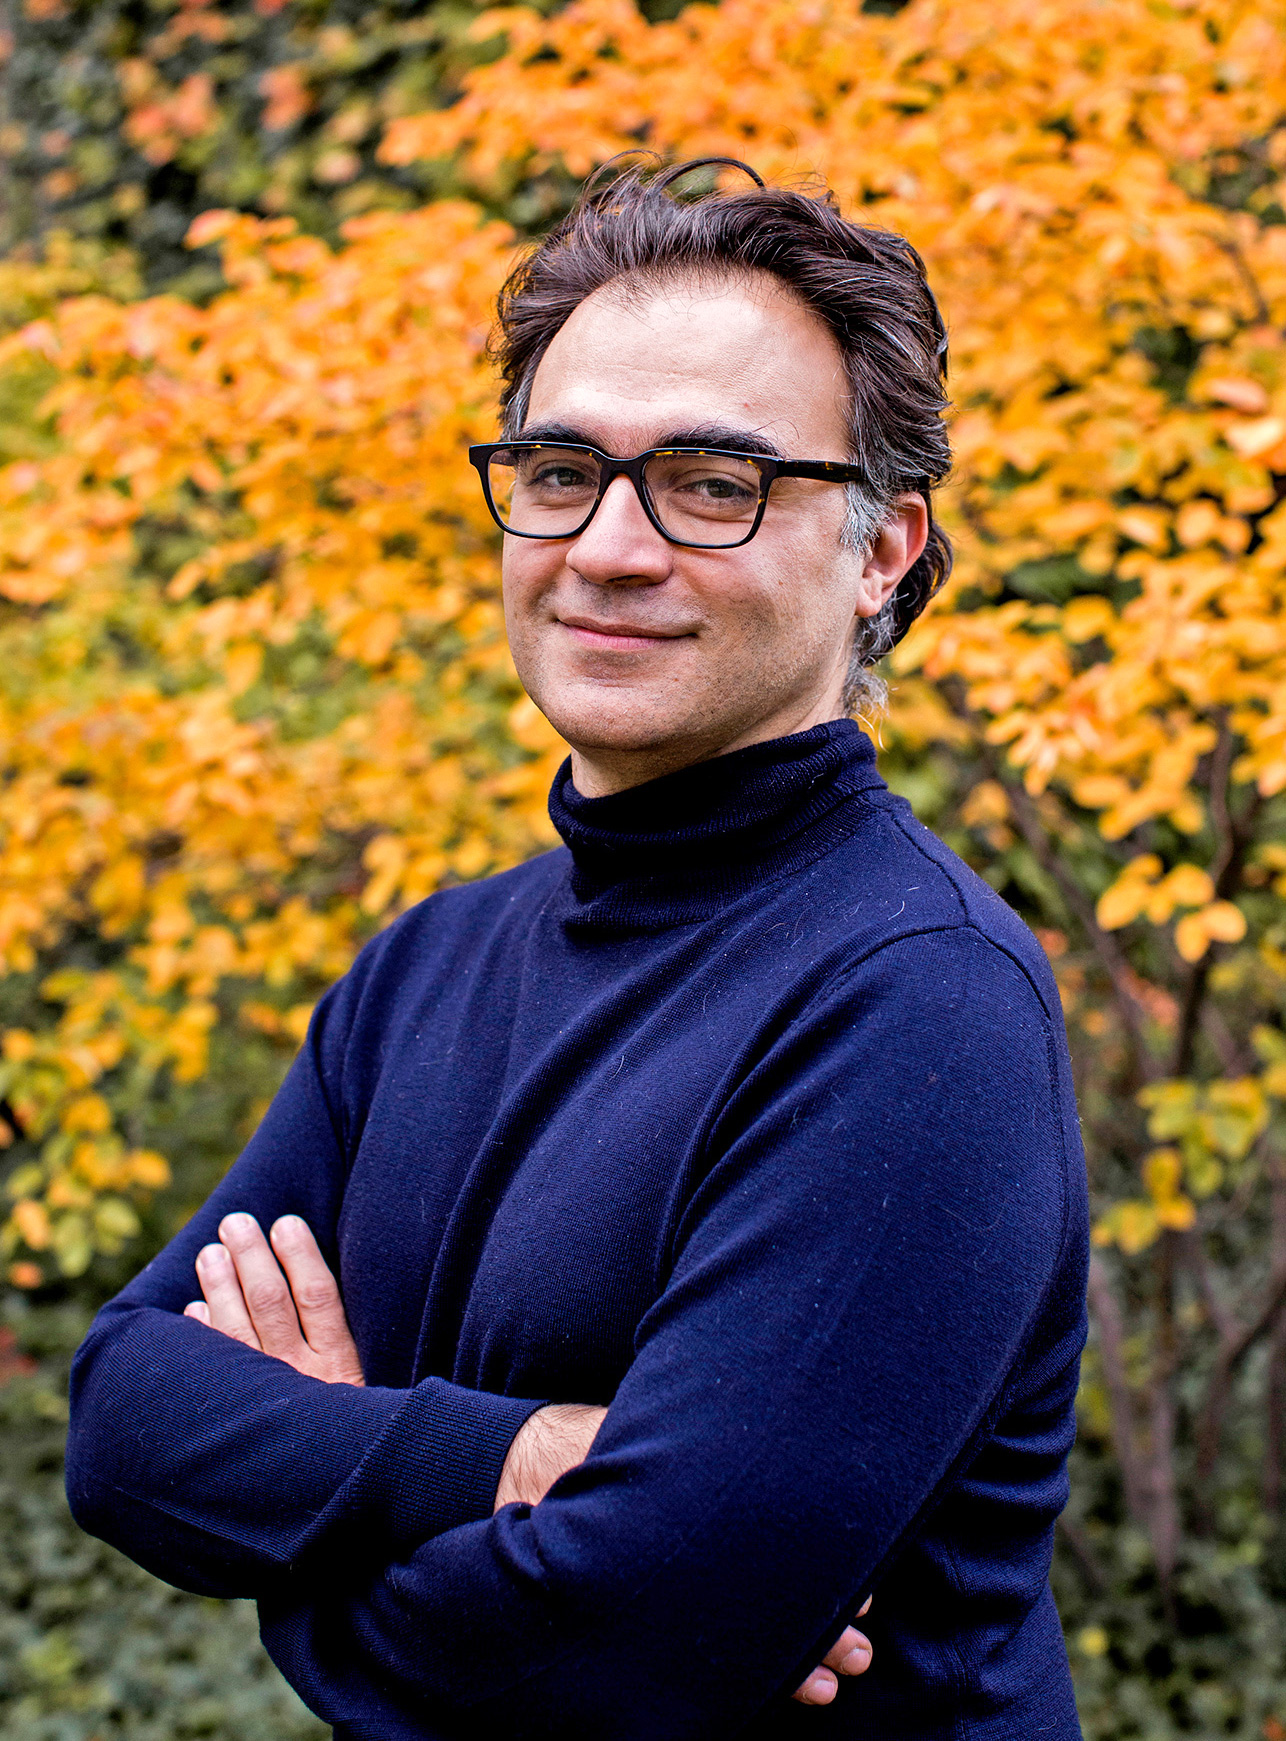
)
(828, 470)
(835, 472)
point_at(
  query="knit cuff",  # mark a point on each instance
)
(437, 1463)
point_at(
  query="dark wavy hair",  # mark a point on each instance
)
(868, 285)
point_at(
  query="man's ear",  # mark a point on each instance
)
(898, 544)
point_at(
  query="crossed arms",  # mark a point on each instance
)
(278, 1295)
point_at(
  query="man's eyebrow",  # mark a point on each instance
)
(706, 435)
(562, 433)
(715, 435)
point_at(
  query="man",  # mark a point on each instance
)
(745, 1117)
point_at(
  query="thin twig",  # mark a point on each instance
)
(1232, 248)
(1221, 1315)
(1232, 1351)
(1162, 1486)
(1233, 1058)
(1220, 811)
(1275, 1424)
(1111, 956)
(1231, 840)
(1083, 1554)
(1275, 1398)
(1120, 1401)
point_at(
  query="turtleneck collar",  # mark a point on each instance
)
(679, 849)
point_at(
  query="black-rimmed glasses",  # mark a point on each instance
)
(708, 498)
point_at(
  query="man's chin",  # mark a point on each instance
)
(613, 721)
(604, 738)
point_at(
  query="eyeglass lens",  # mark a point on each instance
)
(703, 499)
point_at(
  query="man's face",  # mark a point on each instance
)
(647, 656)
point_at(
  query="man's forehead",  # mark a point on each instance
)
(626, 428)
(636, 367)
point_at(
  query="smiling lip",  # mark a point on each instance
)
(618, 637)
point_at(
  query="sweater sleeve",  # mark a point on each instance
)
(217, 1467)
(874, 1240)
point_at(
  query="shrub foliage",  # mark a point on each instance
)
(122, 120)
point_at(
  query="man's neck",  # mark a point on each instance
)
(598, 771)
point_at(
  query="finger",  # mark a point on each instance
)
(199, 1310)
(862, 1610)
(316, 1293)
(267, 1297)
(819, 1689)
(850, 1654)
(226, 1305)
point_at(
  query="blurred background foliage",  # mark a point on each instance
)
(123, 120)
(254, 695)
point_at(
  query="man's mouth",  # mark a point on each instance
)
(619, 637)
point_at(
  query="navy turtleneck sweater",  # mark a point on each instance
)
(748, 1113)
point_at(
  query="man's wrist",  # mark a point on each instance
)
(550, 1442)
(437, 1463)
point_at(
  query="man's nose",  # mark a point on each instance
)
(621, 543)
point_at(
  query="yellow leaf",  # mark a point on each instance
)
(1136, 1227)
(1189, 886)
(1084, 618)
(241, 666)
(88, 1112)
(1176, 1213)
(1224, 922)
(1240, 392)
(1161, 1173)
(1191, 938)
(1251, 439)
(148, 1169)
(1122, 903)
(32, 1221)
(1147, 526)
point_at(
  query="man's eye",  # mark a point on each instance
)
(715, 488)
(721, 489)
(559, 477)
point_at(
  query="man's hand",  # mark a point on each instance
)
(557, 1438)
(297, 1316)
(849, 1655)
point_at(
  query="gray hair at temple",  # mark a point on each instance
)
(868, 285)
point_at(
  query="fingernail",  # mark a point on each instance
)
(287, 1225)
(820, 1689)
(211, 1256)
(857, 1661)
(239, 1225)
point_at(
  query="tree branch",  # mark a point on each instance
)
(1111, 956)
(1082, 1553)
(1233, 1349)
(1275, 1424)
(1120, 1401)
(1220, 1313)
(1161, 1483)
(1231, 841)
(1232, 248)
(1233, 1058)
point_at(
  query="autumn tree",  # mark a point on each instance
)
(256, 699)
(255, 684)
(121, 121)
